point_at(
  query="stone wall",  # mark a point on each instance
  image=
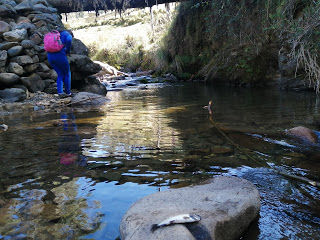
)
(23, 61)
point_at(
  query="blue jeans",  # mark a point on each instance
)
(60, 64)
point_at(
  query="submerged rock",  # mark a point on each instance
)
(227, 205)
(303, 134)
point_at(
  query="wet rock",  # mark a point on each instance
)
(303, 134)
(13, 95)
(14, 51)
(227, 205)
(15, 68)
(34, 83)
(86, 98)
(15, 35)
(8, 79)
(4, 27)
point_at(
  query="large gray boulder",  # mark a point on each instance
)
(227, 205)
(83, 65)
(78, 47)
(91, 84)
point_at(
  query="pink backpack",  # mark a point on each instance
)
(52, 42)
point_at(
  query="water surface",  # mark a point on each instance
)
(73, 174)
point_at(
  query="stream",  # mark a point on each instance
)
(73, 173)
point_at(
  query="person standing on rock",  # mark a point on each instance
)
(59, 62)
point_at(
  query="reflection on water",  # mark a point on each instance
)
(74, 174)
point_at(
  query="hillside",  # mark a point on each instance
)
(126, 41)
(247, 43)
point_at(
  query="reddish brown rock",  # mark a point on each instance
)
(304, 134)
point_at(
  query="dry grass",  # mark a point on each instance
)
(128, 37)
(111, 37)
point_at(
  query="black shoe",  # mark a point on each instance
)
(64, 95)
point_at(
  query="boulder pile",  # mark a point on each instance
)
(23, 60)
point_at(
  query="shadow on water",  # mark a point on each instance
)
(74, 174)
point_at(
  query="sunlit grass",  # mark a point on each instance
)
(129, 42)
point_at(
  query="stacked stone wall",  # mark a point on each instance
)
(23, 60)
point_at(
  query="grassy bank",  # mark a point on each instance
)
(246, 42)
(128, 42)
(236, 42)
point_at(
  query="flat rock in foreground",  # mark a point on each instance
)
(227, 205)
(88, 99)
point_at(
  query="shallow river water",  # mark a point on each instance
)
(72, 174)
